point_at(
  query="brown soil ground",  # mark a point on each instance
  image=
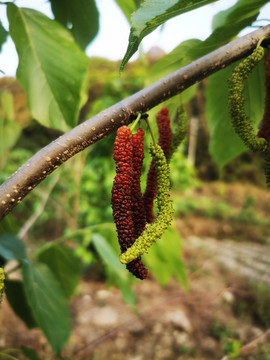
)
(170, 324)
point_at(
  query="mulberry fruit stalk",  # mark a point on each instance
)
(165, 136)
(122, 198)
(156, 229)
(264, 131)
(240, 122)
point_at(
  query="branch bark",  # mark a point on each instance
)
(49, 158)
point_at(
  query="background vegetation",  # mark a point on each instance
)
(63, 230)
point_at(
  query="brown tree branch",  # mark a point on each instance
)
(57, 152)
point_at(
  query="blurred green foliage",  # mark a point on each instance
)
(220, 330)
(253, 298)
(205, 206)
(182, 174)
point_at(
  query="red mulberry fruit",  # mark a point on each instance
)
(264, 131)
(126, 193)
(121, 191)
(136, 267)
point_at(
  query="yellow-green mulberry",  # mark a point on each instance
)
(156, 229)
(240, 121)
(2, 284)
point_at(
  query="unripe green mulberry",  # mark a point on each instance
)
(180, 132)
(240, 122)
(164, 140)
(156, 229)
(2, 284)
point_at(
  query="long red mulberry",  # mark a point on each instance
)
(264, 131)
(136, 267)
(128, 155)
(165, 136)
(121, 191)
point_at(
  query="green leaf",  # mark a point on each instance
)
(124, 285)
(9, 134)
(17, 300)
(65, 266)
(164, 258)
(9, 129)
(7, 106)
(106, 253)
(176, 59)
(152, 14)
(117, 273)
(9, 224)
(52, 68)
(3, 35)
(31, 354)
(109, 233)
(227, 24)
(11, 247)
(80, 17)
(127, 6)
(225, 144)
(243, 10)
(48, 303)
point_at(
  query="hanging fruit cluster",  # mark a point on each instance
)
(256, 141)
(136, 224)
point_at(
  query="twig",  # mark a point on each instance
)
(45, 161)
(86, 350)
(251, 347)
(30, 222)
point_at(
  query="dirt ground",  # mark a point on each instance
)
(219, 309)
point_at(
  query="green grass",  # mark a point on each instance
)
(218, 209)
